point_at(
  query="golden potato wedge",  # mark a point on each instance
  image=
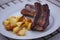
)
(24, 21)
(22, 32)
(13, 22)
(26, 24)
(8, 27)
(12, 17)
(18, 17)
(6, 22)
(28, 20)
(16, 29)
(21, 19)
(19, 24)
(29, 26)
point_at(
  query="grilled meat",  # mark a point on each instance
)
(29, 10)
(28, 13)
(41, 20)
(40, 13)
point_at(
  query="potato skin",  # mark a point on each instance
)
(8, 27)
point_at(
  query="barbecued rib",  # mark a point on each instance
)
(47, 14)
(29, 10)
(35, 26)
(41, 20)
(27, 13)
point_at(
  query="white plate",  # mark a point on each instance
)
(15, 11)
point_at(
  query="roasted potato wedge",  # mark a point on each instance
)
(6, 22)
(16, 29)
(19, 23)
(22, 32)
(29, 26)
(28, 20)
(8, 27)
(20, 18)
